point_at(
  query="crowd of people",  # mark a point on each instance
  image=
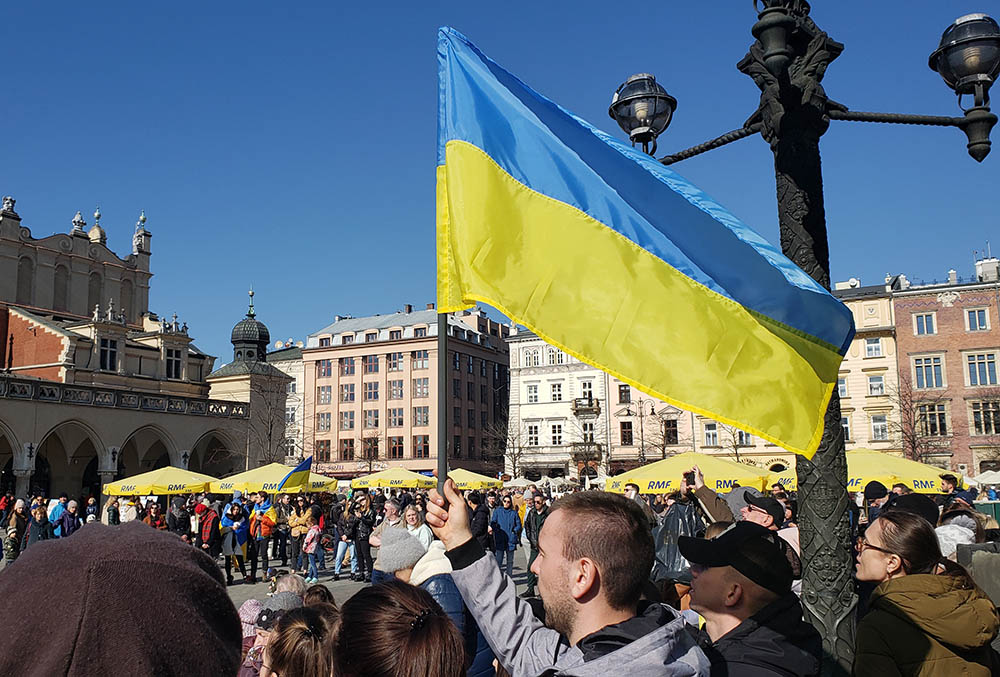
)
(689, 583)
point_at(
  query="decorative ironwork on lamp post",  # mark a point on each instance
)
(787, 62)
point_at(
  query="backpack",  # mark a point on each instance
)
(11, 548)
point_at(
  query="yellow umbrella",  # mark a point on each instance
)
(865, 465)
(266, 478)
(393, 477)
(786, 478)
(168, 480)
(466, 479)
(663, 477)
(317, 483)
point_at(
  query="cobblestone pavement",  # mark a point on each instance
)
(344, 588)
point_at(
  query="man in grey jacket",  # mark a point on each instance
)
(595, 553)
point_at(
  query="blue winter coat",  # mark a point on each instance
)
(442, 589)
(506, 528)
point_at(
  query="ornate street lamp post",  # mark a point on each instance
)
(787, 62)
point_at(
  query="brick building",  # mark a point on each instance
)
(949, 339)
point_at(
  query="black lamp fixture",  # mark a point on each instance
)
(968, 60)
(643, 109)
(184, 457)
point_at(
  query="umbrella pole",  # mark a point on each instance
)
(442, 402)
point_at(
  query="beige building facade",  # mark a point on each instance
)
(370, 394)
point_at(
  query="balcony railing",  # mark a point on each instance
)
(586, 407)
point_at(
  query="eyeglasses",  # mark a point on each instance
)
(862, 544)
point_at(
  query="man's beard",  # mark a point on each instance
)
(560, 612)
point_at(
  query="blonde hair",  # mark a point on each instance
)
(416, 511)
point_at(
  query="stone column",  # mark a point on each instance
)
(23, 478)
(106, 476)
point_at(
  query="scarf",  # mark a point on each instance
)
(207, 524)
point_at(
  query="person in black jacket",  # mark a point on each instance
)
(363, 527)
(479, 522)
(741, 583)
(178, 518)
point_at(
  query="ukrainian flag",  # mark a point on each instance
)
(606, 253)
(298, 477)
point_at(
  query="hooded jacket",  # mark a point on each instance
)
(178, 518)
(37, 531)
(479, 524)
(654, 642)
(925, 624)
(506, 528)
(774, 641)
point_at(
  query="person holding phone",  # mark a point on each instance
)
(632, 493)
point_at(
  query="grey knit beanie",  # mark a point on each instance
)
(399, 550)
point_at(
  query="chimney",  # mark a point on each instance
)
(952, 276)
(430, 306)
(408, 308)
(988, 270)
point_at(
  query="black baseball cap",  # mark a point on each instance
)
(755, 551)
(769, 505)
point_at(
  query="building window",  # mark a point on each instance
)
(347, 338)
(396, 418)
(482, 368)
(395, 447)
(346, 366)
(323, 451)
(469, 364)
(880, 428)
(483, 397)
(324, 394)
(624, 394)
(173, 363)
(323, 422)
(421, 416)
(531, 358)
(324, 369)
(324, 342)
(744, 439)
(923, 324)
(421, 446)
(557, 392)
(845, 424)
(977, 319)
(396, 390)
(873, 347)
(109, 354)
(290, 388)
(394, 362)
(395, 334)
(347, 420)
(456, 361)
(472, 447)
(932, 419)
(982, 369)
(346, 450)
(928, 372)
(371, 337)
(842, 387)
(371, 391)
(471, 417)
(711, 435)
(420, 359)
(290, 415)
(533, 435)
(369, 364)
(371, 418)
(456, 446)
(986, 418)
(369, 447)
(420, 332)
(483, 419)
(346, 392)
(456, 388)
(671, 435)
(456, 415)
(588, 432)
(876, 385)
(587, 389)
(625, 428)
(421, 387)
(470, 392)
(532, 393)
(557, 434)
(555, 356)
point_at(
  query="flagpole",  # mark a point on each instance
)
(442, 401)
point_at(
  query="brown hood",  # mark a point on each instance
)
(948, 608)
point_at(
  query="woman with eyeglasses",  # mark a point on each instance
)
(298, 528)
(927, 616)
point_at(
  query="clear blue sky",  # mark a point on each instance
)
(291, 145)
